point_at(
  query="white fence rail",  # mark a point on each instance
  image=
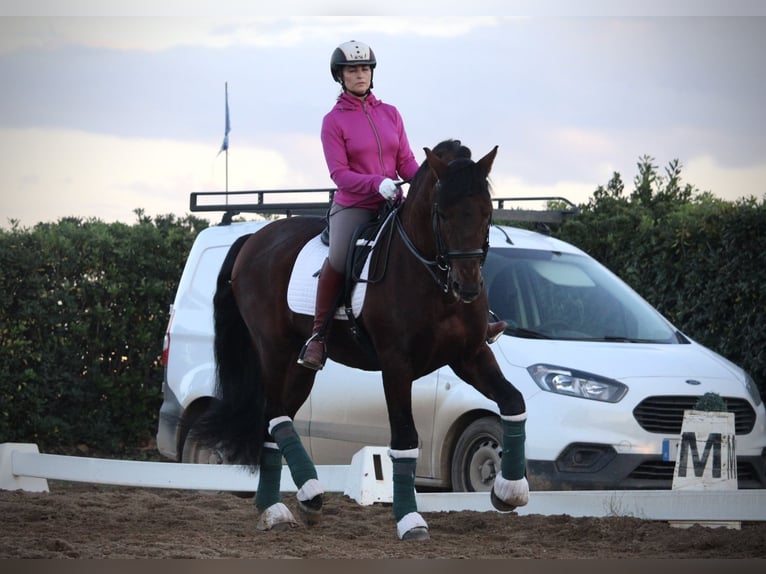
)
(368, 479)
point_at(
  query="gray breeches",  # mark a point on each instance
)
(343, 222)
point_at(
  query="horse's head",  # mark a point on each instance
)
(461, 214)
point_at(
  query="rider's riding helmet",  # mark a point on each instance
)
(351, 53)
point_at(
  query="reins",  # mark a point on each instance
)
(442, 262)
(427, 263)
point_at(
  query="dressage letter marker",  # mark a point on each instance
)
(706, 458)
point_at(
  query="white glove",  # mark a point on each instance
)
(387, 188)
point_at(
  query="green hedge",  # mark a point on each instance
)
(84, 309)
(697, 259)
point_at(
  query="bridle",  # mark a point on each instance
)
(445, 256)
(441, 265)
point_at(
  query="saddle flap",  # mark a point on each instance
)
(302, 288)
(301, 291)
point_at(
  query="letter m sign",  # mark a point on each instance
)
(706, 456)
(689, 445)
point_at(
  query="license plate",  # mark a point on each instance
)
(670, 449)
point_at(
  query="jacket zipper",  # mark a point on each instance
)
(377, 137)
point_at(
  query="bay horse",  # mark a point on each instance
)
(427, 310)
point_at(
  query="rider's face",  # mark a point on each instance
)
(357, 79)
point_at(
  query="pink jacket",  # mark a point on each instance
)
(365, 142)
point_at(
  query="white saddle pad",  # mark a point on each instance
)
(302, 289)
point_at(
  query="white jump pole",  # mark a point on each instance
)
(20, 462)
(696, 506)
(368, 480)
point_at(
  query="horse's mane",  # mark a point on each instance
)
(457, 157)
(448, 150)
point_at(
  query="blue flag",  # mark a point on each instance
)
(227, 129)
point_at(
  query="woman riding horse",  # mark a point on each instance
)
(428, 309)
(366, 149)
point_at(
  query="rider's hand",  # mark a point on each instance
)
(387, 188)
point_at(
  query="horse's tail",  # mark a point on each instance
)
(235, 423)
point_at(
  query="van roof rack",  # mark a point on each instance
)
(543, 216)
(237, 202)
(277, 201)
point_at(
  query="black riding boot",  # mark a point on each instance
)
(494, 330)
(314, 353)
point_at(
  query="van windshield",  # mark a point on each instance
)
(552, 295)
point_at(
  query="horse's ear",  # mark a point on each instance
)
(435, 163)
(486, 162)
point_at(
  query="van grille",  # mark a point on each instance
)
(665, 414)
(660, 470)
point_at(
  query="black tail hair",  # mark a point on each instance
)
(235, 423)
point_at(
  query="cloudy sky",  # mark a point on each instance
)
(105, 110)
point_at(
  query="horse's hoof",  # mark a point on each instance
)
(310, 511)
(508, 495)
(499, 504)
(417, 533)
(276, 517)
(412, 527)
(281, 526)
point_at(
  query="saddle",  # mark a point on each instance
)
(362, 242)
(364, 239)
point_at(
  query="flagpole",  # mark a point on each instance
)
(225, 144)
(227, 174)
(226, 95)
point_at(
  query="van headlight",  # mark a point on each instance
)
(752, 389)
(575, 383)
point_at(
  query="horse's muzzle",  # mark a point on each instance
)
(466, 297)
(467, 289)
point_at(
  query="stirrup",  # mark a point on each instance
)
(492, 337)
(317, 366)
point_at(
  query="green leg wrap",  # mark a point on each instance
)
(513, 461)
(270, 470)
(404, 487)
(291, 447)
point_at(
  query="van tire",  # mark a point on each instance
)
(476, 458)
(194, 452)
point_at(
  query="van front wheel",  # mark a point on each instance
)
(476, 458)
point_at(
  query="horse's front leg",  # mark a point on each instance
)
(404, 451)
(510, 488)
